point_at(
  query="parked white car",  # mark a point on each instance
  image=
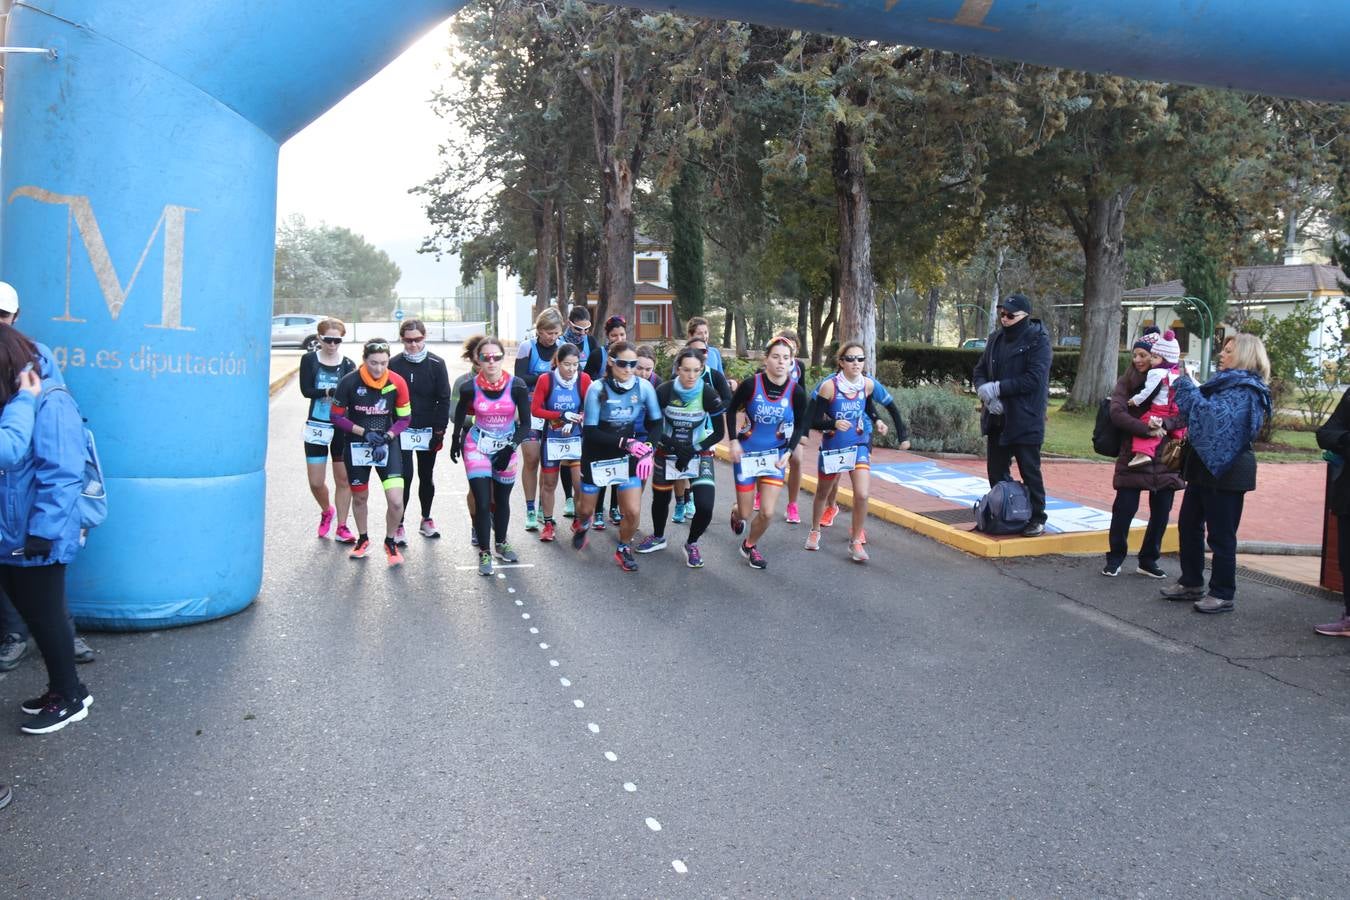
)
(296, 330)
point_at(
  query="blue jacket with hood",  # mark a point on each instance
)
(41, 477)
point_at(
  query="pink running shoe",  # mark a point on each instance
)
(344, 535)
(326, 521)
(792, 517)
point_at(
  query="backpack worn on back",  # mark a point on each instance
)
(92, 505)
(1006, 509)
(1107, 439)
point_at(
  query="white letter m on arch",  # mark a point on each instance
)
(173, 220)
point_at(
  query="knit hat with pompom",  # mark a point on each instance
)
(1167, 347)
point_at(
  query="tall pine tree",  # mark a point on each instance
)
(686, 259)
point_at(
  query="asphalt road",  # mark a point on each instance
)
(927, 725)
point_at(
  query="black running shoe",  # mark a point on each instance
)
(57, 714)
(624, 557)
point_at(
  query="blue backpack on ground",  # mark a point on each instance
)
(1006, 509)
(92, 506)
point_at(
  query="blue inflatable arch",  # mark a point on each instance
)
(139, 187)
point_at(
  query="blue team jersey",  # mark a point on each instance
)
(771, 421)
(621, 412)
(852, 409)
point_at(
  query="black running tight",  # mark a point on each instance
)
(491, 510)
(704, 495)
(39, 594)
(426, 488)
(566, 479)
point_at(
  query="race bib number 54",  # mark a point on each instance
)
(318, 433)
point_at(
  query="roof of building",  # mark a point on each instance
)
(1258, 282)
(645, 243)
(643, 290)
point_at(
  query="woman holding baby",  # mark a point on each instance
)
(1145, 383)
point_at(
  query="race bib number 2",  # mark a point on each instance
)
(832, 462)
(319, 433)
(605, 472)
(363, 455)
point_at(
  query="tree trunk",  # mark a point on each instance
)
(803, 320)
(930, 314)
(857, 288)
(543, 254)
(1101, 232)
(560, 259)
(817, 326)
(742, 340)
(994, 301)
(580, 255)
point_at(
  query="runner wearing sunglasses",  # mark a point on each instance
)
(684, 441)
(500, 407)
(843, 409)
(611, 453)
(429, 389)
(684, 502)
(320, 372)
(772, 405)
(372, 406)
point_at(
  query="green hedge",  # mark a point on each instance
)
(940, 419)
(911, 364)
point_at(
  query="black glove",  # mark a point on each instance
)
(34, 547)
(502, 458)
(437, 440)
(376, 438)
(683, 457)
(456, 447)
(379, 456)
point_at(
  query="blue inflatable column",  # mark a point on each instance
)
(139, 186)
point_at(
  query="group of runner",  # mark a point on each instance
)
(595, 419)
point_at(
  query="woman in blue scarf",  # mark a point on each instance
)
(1224, 416)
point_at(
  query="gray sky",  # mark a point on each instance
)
(353, 166)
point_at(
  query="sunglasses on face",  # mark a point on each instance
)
(491, 357)
(380, 347)
(581, 329)
(332, 340)
(625, 363)
(1004, 314)
(414, 340)
(853, 358)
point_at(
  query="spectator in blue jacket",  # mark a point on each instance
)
(40, 485)
(1223, 417)
(13, 632)
(1013, 381)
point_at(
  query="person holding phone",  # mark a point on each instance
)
(41, 476)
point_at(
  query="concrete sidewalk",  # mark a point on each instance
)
(1285, 509)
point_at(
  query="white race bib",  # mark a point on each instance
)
(489, 444)
(415, 439)
(759, 463)
(564, 448)
(363, 455)
(537, 423)
(605, 472)
(832, 462)
(318, 432)
(674, 473)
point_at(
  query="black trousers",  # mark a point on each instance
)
(703, 510)
(1343, 551)
(39, 594)
(1122, 512)
(491, 510)
(998, 462)
(426, 488)
(1210, 515)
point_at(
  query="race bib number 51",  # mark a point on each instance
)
(605, 472)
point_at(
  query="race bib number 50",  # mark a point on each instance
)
(416, 439)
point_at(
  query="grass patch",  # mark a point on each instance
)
(1070, 434)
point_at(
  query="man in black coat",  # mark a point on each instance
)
(1013, 381)
(1334, 437)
